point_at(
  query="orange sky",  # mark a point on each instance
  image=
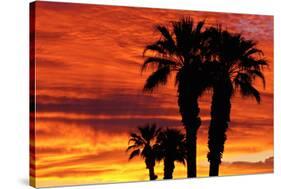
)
(89, 95)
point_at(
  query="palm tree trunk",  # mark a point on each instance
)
(169, 167)
(220, 117)
(214, 168)
(152, 175)
(150, 166)
(189, 110)
(191, 144)
(217, 138)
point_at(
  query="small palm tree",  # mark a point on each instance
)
(180, 50)
(170, 147)
(142, 145)
(236, 63)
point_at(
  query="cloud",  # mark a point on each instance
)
(71, 172)
(89, 94)
(245, 167)
(44, 62)
(91, 161)
(115, 104)
(50, 36)
(267, 162)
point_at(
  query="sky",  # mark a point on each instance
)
(89, 95)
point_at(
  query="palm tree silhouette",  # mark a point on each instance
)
(180, 51)
(143, 146)
(236, 63)
(170, 147)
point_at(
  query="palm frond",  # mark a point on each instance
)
(245, 45)
(199, 27)
(159, 62)
(253, 51)
(159, 77)
(183, 30)
(161, 47)
(167, 36)
(134, 154)
(132, 147)
(252, 63)
(136, 139)
(155, 47)
(259, 74)
(244, 83)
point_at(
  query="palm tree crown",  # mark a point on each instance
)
(178, 50)
(142, 145)
(170, 147)
(235, 58)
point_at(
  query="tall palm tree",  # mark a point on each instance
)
(142, 145)
(180, 50)
(170, 147)
(236, 63)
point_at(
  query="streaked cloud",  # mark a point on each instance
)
(89, 95)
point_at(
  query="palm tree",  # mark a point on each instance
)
(236, 63)
(143, 146)
(180, 50)
(170, 147)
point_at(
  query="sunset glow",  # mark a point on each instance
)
(89, 95)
